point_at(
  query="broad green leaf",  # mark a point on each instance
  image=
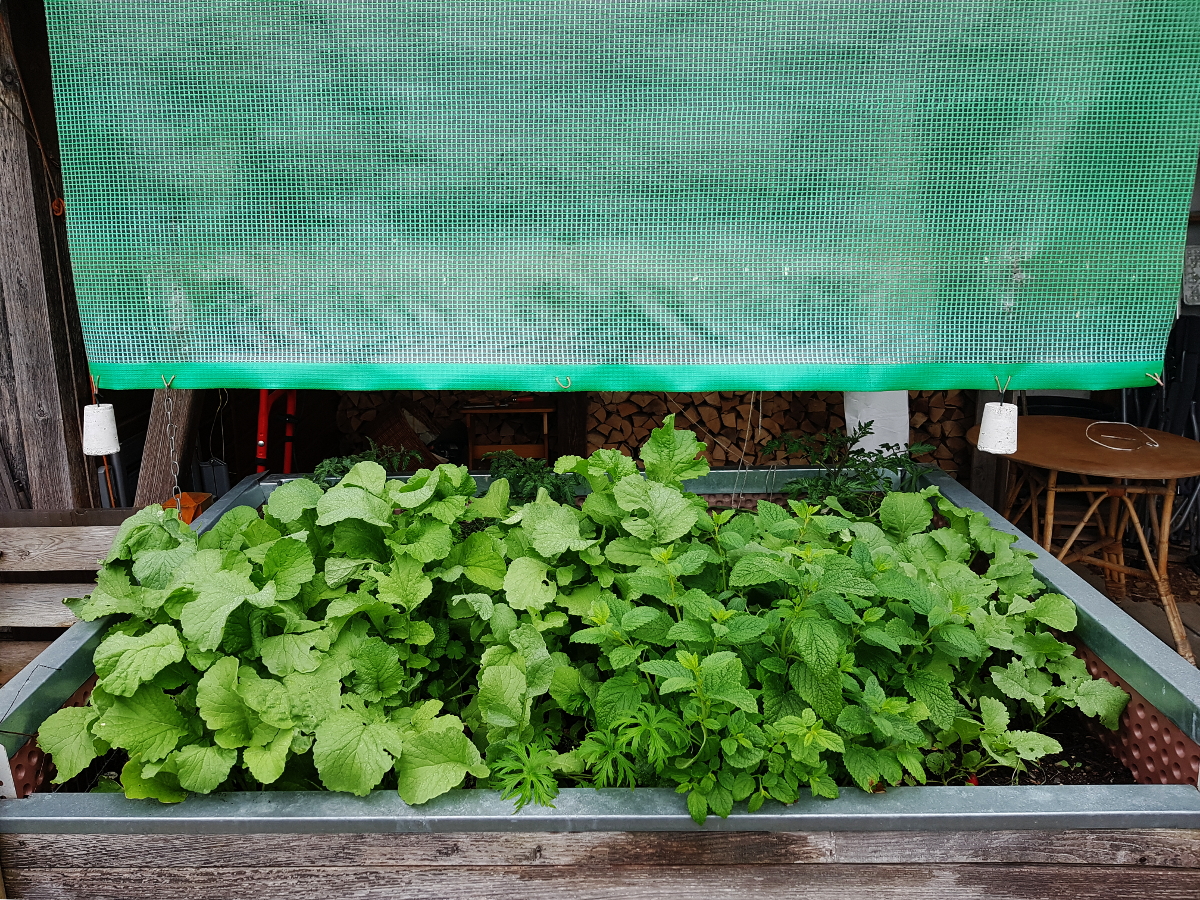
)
(617, 698)
(157, 568)
(629, 551)
(819, 644)
(289, 501)
(144, 530)
(672, 457)
(493, 504)
(822, 693)
(958, 640)
(1101, 699)
(863, 762)
(353, 755)
(1013, 680)
(855, 720)
(1031, 745)
(405, 585)
(427, 541)
(163, 787)
(115, 594)
(352, 503)
(67, 737)
(668, 514)
(566, 689)
(201, 768)
(480, 604)
(288, 653)
(994, 715)
(759, 568)
(1056, 611)
(289, 564)
(314, 696)
(527, 585)
(435, 761)
(266, 763)
(880, 638)
(935, 693)
(266, 696)
(203, 619)
(905, 514)
(148, 724)
(690, 630)
(222, 707)
(377, 670)
(123, 663)
(480, 560)
(415, 492)
(370, 476)
(665, 668)
(553, 529)
(501, 696)
(225, 532)
(744, 629)
(637, 617)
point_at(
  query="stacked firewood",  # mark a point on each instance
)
(734, 424)
(431, 412)
(942, 418)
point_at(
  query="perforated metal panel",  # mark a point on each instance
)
(618, 194)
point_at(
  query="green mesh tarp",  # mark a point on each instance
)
(611, 194)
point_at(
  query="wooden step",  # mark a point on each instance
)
(48, 549)
(38, 605)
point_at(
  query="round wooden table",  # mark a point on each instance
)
(1132, 462)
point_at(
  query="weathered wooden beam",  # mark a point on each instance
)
(42, 549)
(572, 418)
(156, 478)
(785, 882)
(43, 366)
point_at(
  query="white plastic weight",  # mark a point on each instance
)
(100, 430)
(998, 430)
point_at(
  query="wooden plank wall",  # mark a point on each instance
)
(43, 367)
(1148, 864)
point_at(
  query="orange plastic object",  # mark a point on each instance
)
(31, 765)
(1153, 747)
(191, 504)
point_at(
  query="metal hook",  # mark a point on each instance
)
(565, 387)
(1157, 379)
(166, 383)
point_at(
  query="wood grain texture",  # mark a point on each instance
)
(55, 549)
(38, 318)
(38, 605)
(827, 882)
(155, 479)
(16, 655)
(1161, 848)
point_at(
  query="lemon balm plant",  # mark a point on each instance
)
(412, 636)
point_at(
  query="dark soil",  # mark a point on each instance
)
(1084, 760)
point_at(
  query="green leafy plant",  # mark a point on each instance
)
(856, 478)
(360, 637)
(527, 476)
(393, 461)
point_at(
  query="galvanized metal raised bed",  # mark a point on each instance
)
(316, 842)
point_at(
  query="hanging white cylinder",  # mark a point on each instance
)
(100, 430)
(998, 430)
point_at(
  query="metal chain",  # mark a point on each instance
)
(168, 403)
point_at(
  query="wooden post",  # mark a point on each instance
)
(43, 368)
(156, 479)
(986, 483)
(572, 417)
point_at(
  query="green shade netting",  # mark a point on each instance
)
(827, 194)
